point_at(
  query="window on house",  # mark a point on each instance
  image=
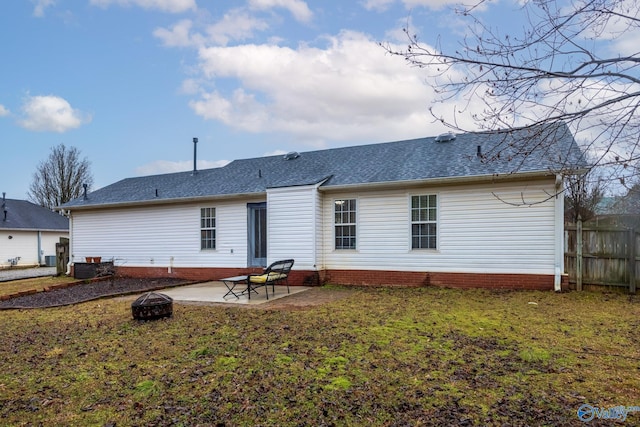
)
(424, 214)
(207, 228)
(345, 223)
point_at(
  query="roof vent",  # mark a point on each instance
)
(291, 155)
(445, 137)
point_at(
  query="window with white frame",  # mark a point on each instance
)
(207, 228)
(345, 223)
(424, 221)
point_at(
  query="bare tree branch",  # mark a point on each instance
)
(60, 178)
(560, 67)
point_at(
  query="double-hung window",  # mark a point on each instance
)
(424, 224)
(207, 228)
(345, 223)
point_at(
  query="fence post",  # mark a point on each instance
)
(632, 261)
(579, 254)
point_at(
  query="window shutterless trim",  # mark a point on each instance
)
(345, 224)
(207, 228)
(423, 219)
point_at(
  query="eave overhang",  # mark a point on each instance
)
(445, 181)
(159, 202)
(440, 181)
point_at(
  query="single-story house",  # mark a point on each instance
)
(29, 233)
(619, 211)
(468, 210)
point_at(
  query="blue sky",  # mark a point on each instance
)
(131, 82)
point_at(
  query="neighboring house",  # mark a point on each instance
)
(28, 233)
(619, 211)
(437, 211)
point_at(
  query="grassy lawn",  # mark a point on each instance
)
(38, 284)
(379, 357)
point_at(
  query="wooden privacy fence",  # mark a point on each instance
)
(603, 256)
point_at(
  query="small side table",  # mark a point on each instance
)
(232, 282)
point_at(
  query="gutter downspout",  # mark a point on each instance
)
(68, 272)
(314, 207)
(559, 234)
(319, 223)
(39, 248)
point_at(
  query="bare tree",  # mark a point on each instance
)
(629, 204)
(569, 64)
(583, 194)
(60, 178)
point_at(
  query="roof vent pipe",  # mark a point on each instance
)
(85, 190)
(479, 151)
(195, 151)
(4, 199)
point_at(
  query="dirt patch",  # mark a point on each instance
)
(309, 298)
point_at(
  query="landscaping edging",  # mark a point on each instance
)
(137, 286)
(49, 288)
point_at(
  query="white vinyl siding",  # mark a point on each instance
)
(292, 219)
(166, 236)
(24, 244)
(481, 229)
(48, 240)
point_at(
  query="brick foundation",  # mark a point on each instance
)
(376, 278)
(296, 277)
(365, 277)
(541, 282)
(452, 280)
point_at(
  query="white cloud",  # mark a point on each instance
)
(51, 113)
(627, 43)
(40, 6)
(617, 27)
(3, 111)
(190, 87)
(179, 35)
(378, 5)
(432, 4)
(349, 90)
(382, 5)
(171, 6)
(165, 166)
(298, 8)
(235, 25)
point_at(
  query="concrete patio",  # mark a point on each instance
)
(215, 291)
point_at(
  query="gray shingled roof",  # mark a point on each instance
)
(412, 160)
(24, 215)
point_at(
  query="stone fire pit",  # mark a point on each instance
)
(152, 306)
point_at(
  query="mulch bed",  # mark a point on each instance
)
(82, 292)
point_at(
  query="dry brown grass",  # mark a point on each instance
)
(38, 284)
(378, 357)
